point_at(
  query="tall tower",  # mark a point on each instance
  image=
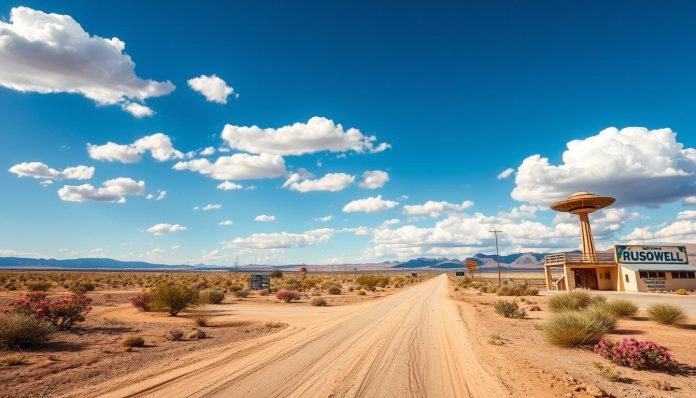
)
(582, 204)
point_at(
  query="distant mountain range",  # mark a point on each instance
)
(520, 261)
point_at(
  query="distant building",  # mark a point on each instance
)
(640, 268)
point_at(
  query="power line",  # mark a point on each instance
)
(497, 254)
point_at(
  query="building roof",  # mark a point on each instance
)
(659, 267)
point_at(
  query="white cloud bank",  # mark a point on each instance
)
(161, 229)
(281, 240)
(40, 170)
(159, 145)
(114, 191)
(374, 179)
(208, 207)
(240, 166)
(332, 182)
(51, 53)
(434, 209)
(636, 165)
(317, 135)
(369, 205)
(212, 87)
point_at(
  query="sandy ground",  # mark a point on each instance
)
(411, 343)
(529, 366)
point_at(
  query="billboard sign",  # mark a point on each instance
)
(260, 281)
(641, 254)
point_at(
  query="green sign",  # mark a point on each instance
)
(460, 273)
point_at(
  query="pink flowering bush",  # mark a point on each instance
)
(143, 301)
(288, 295)
(634, 354)
(61, 312)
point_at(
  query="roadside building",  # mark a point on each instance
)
(640, 268)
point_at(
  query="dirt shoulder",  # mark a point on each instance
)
(530, 366)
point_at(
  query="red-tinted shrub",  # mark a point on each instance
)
(288, 295)
(634, 354)
(143, 301)
(62, 312)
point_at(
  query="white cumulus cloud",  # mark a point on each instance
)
(228, 186)
(330, 182)
(208, 207)
(374, 179)
(434, 209)
(240, 166)
(636, 165)
(52, 53)
(138, 110)
(264, 218)
(317, 135)
(324, 219)
(212, 87)
(159, 145)
(369, 205)
(505, 173)
(226, 223)
(161, 229)
(114, 191)
(40, 170)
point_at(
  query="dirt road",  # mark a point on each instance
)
(410, 344)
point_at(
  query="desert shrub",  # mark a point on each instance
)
(240, 294)
(667, 314)
(277, 274)
(516, 290)
(318, 302)
(288, 295)
(509, 309)
(13, 360)
(575, 300)
(82, 287)
(201, 318)
(368, 281)
(682, 292)
(275, 324)
(334, 290)
(61, 312)
(577, 328)
(608, 372)
(264, 292)
(308, 283)
(196, 334)
(39, 286)
(175, 297)
(174, 334)
(211, 296)
(133, 341)
(360, 292)
(634, 354)
(17, 330)
(622, 308)
(143, 301)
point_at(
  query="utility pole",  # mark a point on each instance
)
(497, 253)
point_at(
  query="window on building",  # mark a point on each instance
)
(643, 274)
(626, 277)
(607, 275)
(683, 275)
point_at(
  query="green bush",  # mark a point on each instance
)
(174, 334)
(82, 287)
(573, 301)
(134, 341)
(667, 314)
(360, 292)
(622, 308)
(240, 294)
(18, 330)
(334, 290)
(318, 302)
(39, 286)
(577, 328)
(175, 297)
(277, 274)
(211, 296)
(509, 309)
(368, 281)
(516, 290)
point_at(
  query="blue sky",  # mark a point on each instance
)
(459, 91)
